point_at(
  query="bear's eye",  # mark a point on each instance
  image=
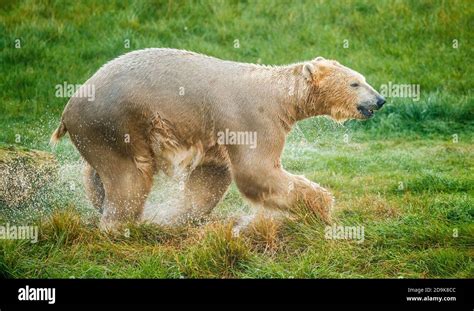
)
(355, 84)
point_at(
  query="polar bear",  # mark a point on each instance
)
(213, 121)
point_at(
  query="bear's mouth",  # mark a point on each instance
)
(366, 112)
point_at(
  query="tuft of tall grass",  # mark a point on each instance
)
(218, 253)
(264, 235)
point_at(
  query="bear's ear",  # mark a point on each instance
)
(308, 71)
(319, 58)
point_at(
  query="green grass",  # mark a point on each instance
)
(406, 175)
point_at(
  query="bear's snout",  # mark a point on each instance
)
(367, 109)
(380, 101)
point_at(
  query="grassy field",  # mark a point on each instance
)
(406, 175)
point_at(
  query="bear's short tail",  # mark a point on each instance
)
(58, 133)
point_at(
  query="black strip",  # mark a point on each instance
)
(278, 291)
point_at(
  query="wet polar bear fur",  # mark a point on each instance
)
(163, 110)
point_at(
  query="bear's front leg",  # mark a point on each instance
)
(312, 195)
(277, 189)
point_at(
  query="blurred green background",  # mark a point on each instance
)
(398, 41)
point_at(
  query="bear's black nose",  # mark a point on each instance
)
(380, 102)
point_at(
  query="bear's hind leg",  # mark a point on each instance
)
(126, 189)
(94, 188)
(204, 188)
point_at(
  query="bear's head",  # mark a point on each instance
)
(339, 92)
